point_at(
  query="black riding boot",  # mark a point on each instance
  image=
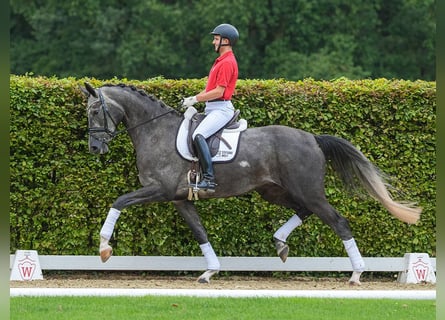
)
(202, 148)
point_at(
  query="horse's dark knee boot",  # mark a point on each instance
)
(205, 158)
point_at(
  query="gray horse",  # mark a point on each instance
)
(286, 166)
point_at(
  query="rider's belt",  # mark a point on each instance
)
(215, 100)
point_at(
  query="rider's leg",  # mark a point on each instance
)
(202, 148)
(216, 118)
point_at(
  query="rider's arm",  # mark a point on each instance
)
(213, 94)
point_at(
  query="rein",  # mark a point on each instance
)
(106, 112)
(142, 123)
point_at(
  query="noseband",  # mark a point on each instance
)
(106, 113)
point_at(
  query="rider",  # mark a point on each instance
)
(217, 94)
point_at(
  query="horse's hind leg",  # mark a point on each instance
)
(281, 235)
(341, 227)
(277, 195)
(188, 212)
(358, 264)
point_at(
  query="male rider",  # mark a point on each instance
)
(217, 95)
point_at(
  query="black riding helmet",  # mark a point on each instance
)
(227, 31)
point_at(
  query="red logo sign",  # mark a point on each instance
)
(26, 267)
(420, 270)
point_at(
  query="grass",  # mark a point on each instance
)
(190, 308)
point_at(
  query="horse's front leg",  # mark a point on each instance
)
(143, 195)
(188, 212)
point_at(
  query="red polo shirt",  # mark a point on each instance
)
(224, 73)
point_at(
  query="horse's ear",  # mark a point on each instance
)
(84, 91)
(89, 90)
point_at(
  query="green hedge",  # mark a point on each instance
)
(60, 194)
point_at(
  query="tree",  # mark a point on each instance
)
(407, 39)
(290, 39)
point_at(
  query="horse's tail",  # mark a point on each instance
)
(352, 165)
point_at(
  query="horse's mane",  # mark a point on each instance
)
(140, 91)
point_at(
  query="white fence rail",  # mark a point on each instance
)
(175, 263)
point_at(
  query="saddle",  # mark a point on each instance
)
(214, 140)
(229, 136)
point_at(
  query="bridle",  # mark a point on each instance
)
(107, 115)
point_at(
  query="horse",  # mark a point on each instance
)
(286, 166)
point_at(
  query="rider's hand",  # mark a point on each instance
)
(189, 101)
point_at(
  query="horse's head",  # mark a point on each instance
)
(104, 115)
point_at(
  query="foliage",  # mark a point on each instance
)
(290, 39)
(60, 194)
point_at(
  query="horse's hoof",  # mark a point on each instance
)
(354, 283)
(203, 280)
(105, 253)
(282, 249)
(205, 277)
(355, 279)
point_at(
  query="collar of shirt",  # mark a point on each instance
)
(225, 55)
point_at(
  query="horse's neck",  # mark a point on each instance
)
(147, 121)
(156, 128)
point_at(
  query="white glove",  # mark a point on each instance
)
(189, 101)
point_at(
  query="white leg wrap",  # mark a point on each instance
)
(287, 228)
(108, 227)
(210, 256)
(354, 255)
